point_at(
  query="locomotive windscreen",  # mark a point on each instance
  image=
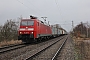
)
(27, 23)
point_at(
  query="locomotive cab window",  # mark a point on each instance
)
(23, 23)
(27, 23)
(30, 23)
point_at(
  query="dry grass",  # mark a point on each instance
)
(78, 38)
(6, 43)
(82, 48)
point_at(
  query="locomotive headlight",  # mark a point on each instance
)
(20, 32)
(32, 32)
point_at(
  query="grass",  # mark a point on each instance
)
(6, 43)
(82, 49)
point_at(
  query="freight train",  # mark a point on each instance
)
(34, 30)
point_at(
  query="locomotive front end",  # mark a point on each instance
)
(26, 30)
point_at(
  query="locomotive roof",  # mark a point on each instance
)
(35, 19)
(27, 19)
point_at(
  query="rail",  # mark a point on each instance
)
(11, 47)
(58, 50)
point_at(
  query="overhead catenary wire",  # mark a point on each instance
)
(27, 6)
(44, 18)
(33, 5)
(56, 2)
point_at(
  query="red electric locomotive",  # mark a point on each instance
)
(33, 30)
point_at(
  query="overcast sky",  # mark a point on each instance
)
(57, 11)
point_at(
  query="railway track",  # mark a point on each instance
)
(57, 52)
(11, 47)
(32, 54)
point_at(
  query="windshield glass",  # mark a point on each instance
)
(27, 23)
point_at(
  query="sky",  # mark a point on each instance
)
(61, 12)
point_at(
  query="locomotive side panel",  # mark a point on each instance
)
(44, 30)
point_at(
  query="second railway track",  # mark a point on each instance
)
(12, 47)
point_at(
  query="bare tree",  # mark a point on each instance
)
(81, 30)
(9, 30)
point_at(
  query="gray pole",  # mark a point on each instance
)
(72, 26)
(87, 29)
